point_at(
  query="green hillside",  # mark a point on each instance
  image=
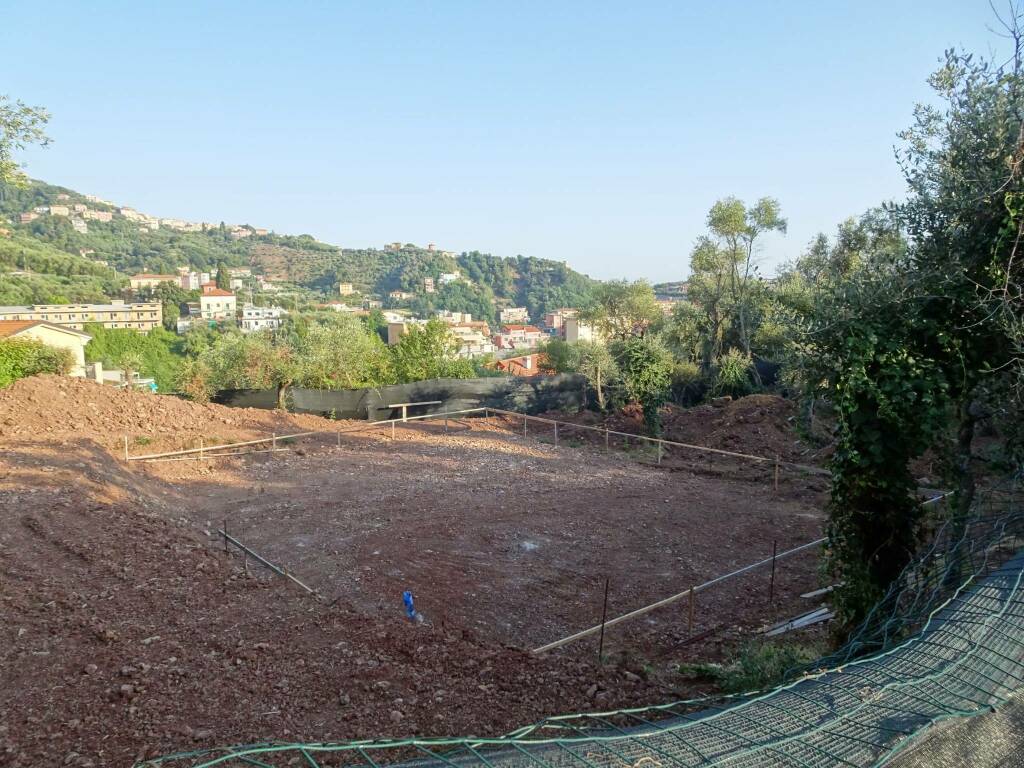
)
(491, 281)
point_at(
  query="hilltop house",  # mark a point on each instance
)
(514, 315)
(261, 318)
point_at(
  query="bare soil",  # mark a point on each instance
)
(127, 630)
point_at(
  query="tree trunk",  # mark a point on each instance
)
(963, 497)
(600, 391)
(282, 396)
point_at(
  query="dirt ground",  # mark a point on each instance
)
(128, 631)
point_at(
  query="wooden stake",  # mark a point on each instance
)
(606, 439)
(126, 447)
(693, 597)
(659, 453)
(771, 585)
(776, 473)
(200, 448)
(273, 441)
(446, 421)
(339, 439)
(392, 430)
(524, 425)
(556, 434)
(604, 618)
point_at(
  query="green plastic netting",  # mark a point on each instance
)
(947, 641)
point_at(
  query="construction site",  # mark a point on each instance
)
(192, 585)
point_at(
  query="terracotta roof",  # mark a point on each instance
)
(216, 292)
(10, 328)
(526, 328)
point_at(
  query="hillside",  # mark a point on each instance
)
(131, 246)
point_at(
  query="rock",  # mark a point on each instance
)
(127, 690)
(633, 678)
(90, 669)
(396, 716)
(592, 691)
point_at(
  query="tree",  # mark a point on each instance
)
(429, 351)
(223, 279)
(620, 309)
(646, 368)
(738, 229)
(20, 126)
(595, 361)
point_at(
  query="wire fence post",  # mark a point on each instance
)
(606, 433)
(604, 618)
(126, 447)
(339, 439)
(776, 473)
(201, 448)
(392, 429)
(273, 441)
(524, 425)
(556, 434)
(659, 452)
(771, 584)
(446, 419)
(692, 599)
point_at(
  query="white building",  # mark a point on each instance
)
(261, 318)
(514, 315)
(449, 277)
(216, 303)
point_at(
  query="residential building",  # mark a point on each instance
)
(139, 316)
(83, 252)
(193, 281)
(60, 210)
(373, 304)
(338, 306)
(346, 289)
(261, 232)
(556, 319)
(25, 218)
(261, 318)
(79, 226)
(79, 208)
(401, 295)
(235, 283)
(449, 277)
(428, 285)
(398, 328)
(474, 338)
(148, 280)
(431, 247)
(573, 330)
(216, 303)
(98, 215)
(52, 335)
(63, 196)
(518, 337)
(41, 209)
(514, 315)
(524, 365)
(453, 317)
(239, 232)
(392, 246)
(240, 271)
(131, 214)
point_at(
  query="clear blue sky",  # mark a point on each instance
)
(596, 133)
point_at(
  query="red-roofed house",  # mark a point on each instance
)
(216, 303)
(52, 335)
(518, 337)
(524, 365)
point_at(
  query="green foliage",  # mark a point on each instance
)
(20, 126)
(342, 355)
(732, 374)
(757, 667)
(429, 352)
(26, 357)
(620, 309)
(646, 367)
(157, 354)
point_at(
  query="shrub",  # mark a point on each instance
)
(732, 374)
(26, 357)
(756, 667)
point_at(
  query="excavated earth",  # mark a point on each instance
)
(128, 631)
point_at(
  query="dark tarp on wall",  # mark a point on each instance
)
(534, 394)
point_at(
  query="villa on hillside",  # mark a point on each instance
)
(52, 335)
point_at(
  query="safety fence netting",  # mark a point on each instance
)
(947, 641)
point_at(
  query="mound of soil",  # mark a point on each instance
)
(57, 406)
